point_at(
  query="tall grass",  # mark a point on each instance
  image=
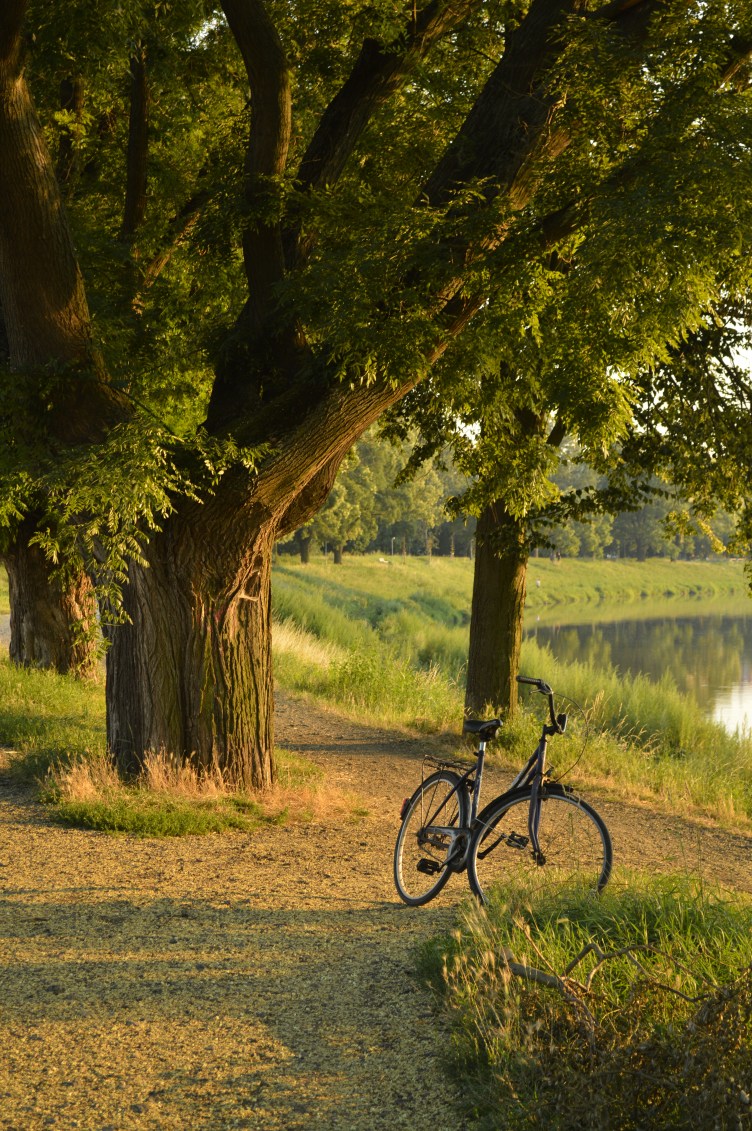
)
(371, 683)
(661, 743)
(628, 1053)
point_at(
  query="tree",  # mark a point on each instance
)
(346, 515)
(692, 429)
(353, 296)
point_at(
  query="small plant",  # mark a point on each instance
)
(630, 1012)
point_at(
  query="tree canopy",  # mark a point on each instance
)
(264, 224)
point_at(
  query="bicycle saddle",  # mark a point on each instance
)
(486, 730)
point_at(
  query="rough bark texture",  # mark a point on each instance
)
(46, 319)
(497, 610)
(48, 620)
(192, 673)
(134, 210)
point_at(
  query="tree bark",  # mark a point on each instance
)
(497, 609)
(192, 673)
(46, 319)
(51, 622)
(337, 555)
(305, 549)
(134, 210)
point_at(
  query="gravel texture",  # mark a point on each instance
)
(255, 980)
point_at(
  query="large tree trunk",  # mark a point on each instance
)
(45, 320)
(305, 549)
(337, 550)
(497, 610)
(52, 623)
(192, 673)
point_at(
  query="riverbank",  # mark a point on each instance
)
(572, 581)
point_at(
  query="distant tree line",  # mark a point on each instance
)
(374, 508)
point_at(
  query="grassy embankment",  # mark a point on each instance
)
(389, 644)
(628, 1052)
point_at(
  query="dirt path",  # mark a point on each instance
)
(242, 981)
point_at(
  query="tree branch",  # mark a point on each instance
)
(134, 210)
(268, 143)
(378, 72)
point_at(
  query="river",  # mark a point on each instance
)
(705, 643)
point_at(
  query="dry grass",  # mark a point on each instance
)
(173, 798)
(290, 639)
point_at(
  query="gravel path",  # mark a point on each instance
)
(244, 981)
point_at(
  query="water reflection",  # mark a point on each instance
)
(708, 653)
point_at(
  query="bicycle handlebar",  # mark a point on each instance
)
(548, 691)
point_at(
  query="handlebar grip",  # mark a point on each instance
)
(527, 679)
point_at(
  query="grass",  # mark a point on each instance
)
(371, 683)
(387, 661)
(370, 592)
(630, 1053)
(56, 728)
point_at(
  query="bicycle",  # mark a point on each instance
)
(537, 827)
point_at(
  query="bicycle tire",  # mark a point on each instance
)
(415, 885)
(574, 840)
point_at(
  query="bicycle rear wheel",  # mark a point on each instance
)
(574, 841)
(420, 854)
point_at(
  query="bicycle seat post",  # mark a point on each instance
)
(478, 776)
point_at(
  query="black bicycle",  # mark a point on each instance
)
(539, 828)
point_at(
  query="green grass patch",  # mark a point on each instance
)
(372, 682)
(48, 719)
(629, 1053)
(366, 590)
(141, 814)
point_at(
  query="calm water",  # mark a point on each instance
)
(706, 645)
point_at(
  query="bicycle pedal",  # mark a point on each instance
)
(428, 867)
(516, 840)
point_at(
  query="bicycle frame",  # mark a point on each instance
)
(531, 774)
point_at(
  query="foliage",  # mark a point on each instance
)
(653, 175)
(372, 502)
(692, 424)
(648, 1058)
(97, 505)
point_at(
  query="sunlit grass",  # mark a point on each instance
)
(629, 1053)
(55, 726)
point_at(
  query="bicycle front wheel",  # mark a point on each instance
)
(574, 841)
(420, 855)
